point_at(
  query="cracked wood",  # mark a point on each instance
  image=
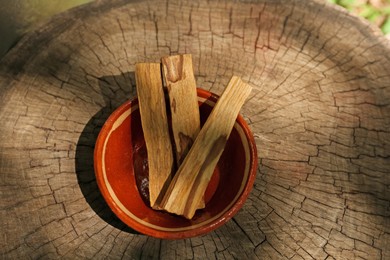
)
(319, 110)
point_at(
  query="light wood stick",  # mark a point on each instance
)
(155, 128)
(180, 81)
(190, 182)
(181, 85)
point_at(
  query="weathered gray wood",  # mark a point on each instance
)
(319, 110)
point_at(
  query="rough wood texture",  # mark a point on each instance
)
(319, 110)
(152, 107)
(187, 188)
(181, 85)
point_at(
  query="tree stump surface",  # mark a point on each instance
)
(319, 111)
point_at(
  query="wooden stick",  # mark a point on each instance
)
(180, 81)
(181, 85)
(190, 182)
(155, 127)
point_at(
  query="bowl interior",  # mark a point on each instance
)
(121, 166)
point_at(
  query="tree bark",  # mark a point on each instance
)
(319, 110)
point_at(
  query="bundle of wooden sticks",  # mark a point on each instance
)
(195, 149)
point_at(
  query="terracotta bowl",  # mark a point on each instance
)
(121, 168)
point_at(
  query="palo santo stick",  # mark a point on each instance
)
(190, 182)
(181, 85)
(180, 81)
(155, 128)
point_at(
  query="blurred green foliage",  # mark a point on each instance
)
(20, 16)
(375, 11)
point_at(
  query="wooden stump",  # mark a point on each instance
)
(319, 110)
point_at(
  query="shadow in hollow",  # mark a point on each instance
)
(115, 90)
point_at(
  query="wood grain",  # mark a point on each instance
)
(184, 109)
(154, 120)
(186, 191)
(319, 110)
(181, 85)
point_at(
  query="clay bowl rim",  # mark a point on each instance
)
(188, 233)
